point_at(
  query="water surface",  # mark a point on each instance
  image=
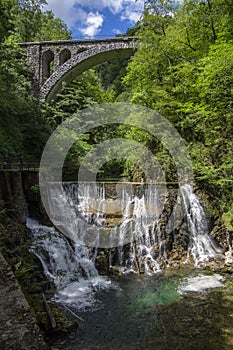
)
(188, 310)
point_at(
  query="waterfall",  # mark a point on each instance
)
(123, 217)
(140, 256)
(201, 247)
(70, 268)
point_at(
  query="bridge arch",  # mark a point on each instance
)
(47, 65)
(81, 62)
(64, 56)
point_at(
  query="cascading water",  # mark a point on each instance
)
(70, 268)
(127, 214)
(140, 256)
(125, 219)
(201, 247)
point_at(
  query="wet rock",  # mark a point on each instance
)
(227, 269)
(223, 236)
(219, 257)
(115, 270)
(102, 263)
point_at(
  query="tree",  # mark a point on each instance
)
(183, 69)
(6, 24)
(51, 28)
(21, 115)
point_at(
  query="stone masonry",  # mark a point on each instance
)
(18, 329)
(55, 62)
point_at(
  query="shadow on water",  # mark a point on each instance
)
(151, 313)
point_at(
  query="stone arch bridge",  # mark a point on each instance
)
(55, 62)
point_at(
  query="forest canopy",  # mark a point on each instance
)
(183, 70)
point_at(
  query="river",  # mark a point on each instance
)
(145, 306)
(190, 309)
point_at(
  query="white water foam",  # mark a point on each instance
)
(70, 268)
(201, 283)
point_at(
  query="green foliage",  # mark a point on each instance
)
(21, 116)
(183, 69)
(111, 74)
(228, 219)
(51, 28)
(35, 188)
(6, 24)
(21, 270)
(81, 93)
(32, 24)
(84, 91)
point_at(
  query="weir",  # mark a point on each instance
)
(123, 223)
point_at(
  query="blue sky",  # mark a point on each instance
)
(93, 18)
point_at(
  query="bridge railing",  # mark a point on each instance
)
(29, 166)
(8, 165)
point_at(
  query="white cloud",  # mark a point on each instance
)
(132, 11)
(94, 22)
(67, 11)
(115, 6)
(116, 31)
(86, 16)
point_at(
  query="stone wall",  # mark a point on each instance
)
(18, 329)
